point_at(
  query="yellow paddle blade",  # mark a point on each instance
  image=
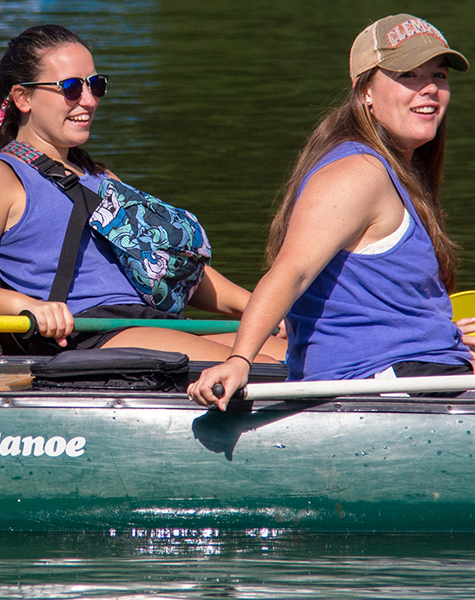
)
(463, 304)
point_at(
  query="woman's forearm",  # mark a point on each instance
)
(53, 318)
(218, 294)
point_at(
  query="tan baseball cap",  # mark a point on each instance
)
(401, 43)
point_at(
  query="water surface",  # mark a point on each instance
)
(210, 564)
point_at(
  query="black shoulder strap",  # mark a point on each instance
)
(85, 201)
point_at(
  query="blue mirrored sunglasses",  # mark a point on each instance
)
(72, 87)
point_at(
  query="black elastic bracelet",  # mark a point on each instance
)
(243, 358)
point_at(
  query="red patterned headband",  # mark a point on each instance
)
(4, 108)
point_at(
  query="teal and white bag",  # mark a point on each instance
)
(162, 249)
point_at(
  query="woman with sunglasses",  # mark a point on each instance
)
(50, 91)
(361, 264)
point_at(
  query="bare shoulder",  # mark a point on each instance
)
(359, 179)
(354, 170)
(111, 175)
(12, 197)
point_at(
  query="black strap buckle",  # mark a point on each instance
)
(66, 183)
(55, 170)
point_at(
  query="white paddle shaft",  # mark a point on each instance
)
(350, 387)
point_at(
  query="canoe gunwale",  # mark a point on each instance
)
(112, 400)
(70, 398)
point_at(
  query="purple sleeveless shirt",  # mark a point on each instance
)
(364, 313)
(30, 250)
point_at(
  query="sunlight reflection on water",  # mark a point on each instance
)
(255, 563)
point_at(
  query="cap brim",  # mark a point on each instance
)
(416, 57)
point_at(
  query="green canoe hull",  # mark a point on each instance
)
(86, 462)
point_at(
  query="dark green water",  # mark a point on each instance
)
(209, 103)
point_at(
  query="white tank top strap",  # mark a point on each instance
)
(389, 241)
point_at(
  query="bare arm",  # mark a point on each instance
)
(218, 294)
(346, 205)
(54, 318)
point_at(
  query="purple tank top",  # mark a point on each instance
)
(30, 250)
(364, 313)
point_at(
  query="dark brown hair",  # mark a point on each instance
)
(421, 178)
(22, 62)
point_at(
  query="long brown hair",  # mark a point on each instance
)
(22, 62)
(353, 121)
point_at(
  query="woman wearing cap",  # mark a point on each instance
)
(361, 264)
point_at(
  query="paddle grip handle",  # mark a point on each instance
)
(218, 391)
(33, 324)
